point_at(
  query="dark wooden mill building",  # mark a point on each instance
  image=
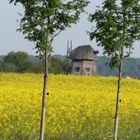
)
(83, 60)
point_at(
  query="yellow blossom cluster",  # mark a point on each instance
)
(78, 107)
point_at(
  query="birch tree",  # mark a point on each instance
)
(42, 21)
(116, 26)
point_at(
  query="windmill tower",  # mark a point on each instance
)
(83, 60)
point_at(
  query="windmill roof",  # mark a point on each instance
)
(85, 52)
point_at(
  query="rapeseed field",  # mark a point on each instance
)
(78, 107)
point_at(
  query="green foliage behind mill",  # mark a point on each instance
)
(131, 67)
(22, 62)
(59, 64)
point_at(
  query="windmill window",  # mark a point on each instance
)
(77, 69)
(87, 69)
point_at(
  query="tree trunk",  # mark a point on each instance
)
(45, 85)
(118, 100)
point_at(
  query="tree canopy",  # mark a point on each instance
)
(16, 61)
(117, 26)
(45, 19)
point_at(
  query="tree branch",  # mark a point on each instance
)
(53, 36)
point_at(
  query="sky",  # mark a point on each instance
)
(11, 40)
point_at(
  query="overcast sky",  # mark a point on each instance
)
(10, 40)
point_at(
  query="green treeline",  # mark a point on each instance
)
(22, 62)
(131, 67)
